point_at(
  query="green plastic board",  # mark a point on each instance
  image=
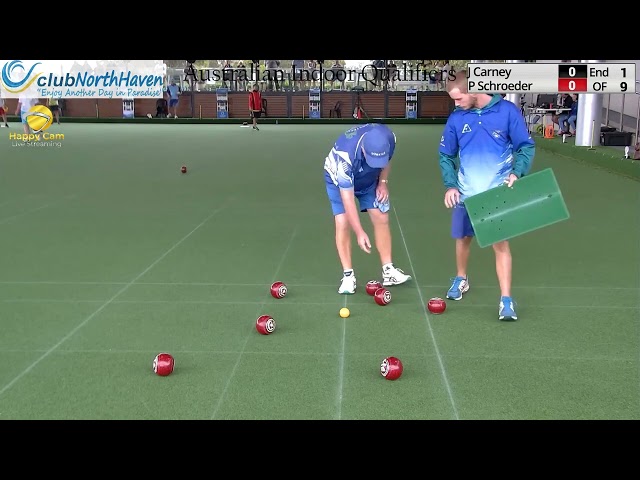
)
(534, 201)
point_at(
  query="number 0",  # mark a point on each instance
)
(572, 85)
(572, 72)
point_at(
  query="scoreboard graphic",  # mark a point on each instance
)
(551, 77)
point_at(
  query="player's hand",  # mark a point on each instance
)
(363, 241)
(382, 193)
(451, 197)
(510, 179)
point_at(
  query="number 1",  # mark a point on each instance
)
(624, 72)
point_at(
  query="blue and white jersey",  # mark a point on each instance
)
(491, 142)
(346, 167)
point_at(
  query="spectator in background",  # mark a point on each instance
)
(273, 67)
(52, 104)
(3, 113)
(314, 74)
(445, 74)
(242, 76)
(393, 73)
(296, 74)
(24, 105)
(380, 80)
(254, 72)
(162, 108)
(564, 101)
(434, 76)
(227, 75)
(173, 91)
(255, 105)
(339, 74)
(567, 121)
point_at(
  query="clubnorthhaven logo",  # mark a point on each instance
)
(16, 78)
(46, 80)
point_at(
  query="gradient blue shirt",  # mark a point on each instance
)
(488, 144)
(346, 167)
(173, 91)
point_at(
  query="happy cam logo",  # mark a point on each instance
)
(39, 118)
(16, 78)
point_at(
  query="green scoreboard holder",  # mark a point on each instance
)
(533, 202)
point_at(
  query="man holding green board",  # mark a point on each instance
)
(491, 139)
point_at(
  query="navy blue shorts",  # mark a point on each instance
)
(461, 223)
(173, 102)
(365, 198)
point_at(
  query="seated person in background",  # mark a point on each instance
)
(569, 118)
(162, 108)
(565, 101)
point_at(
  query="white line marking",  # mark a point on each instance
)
(322, 354)
(341, 362)
(106, 304)
(13, 200)
(426, 314)
(246, 341)
(300, 285)
(295, 302)
(33, 210)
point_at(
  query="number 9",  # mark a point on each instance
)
(623, 86)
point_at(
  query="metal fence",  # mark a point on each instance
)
(616, 111)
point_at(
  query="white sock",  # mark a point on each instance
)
(387, 266)
(348, 272)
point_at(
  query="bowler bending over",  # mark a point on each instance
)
(357, 168)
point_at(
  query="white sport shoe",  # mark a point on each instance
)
(347, 285)
(394, 276)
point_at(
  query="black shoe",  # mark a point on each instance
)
(256, 128)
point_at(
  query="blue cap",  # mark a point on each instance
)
(376, 149)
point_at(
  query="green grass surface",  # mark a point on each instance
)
(111, 256)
